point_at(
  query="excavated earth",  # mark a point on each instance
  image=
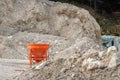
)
(76, 51)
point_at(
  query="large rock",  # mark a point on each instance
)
(90, 64)
(23, 21)
(113, 56)
(47, 17)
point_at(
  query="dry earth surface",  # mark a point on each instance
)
(10, 68)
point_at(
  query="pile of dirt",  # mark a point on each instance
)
(74, 36)
(26, 21)
(59, 70)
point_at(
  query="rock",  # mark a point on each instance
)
(102, 54)
(41, 65)
(110, 57)
(48, 17)
(114, 60)
(63, 70)
(91, 53)
(111, 50)
(90, 64)
(80, 47)
(117, 43)
(28, 21)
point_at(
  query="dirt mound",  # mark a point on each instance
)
(22, 22)
(59, 70)
(72, 32)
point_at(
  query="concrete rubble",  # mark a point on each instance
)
(76, 50)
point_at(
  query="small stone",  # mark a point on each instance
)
(111, 50)
(63, 70)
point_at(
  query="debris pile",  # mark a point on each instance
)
(38, 21)
(74, 35)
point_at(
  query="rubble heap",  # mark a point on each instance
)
(25, 21)
(74, 36)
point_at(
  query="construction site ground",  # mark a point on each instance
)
(10, 68)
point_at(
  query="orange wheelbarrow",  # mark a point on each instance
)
(38, 52)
